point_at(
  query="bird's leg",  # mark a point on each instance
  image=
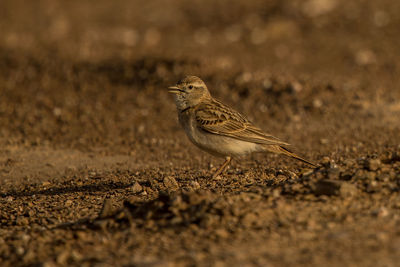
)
(223, 167)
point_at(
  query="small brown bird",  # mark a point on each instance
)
(218, 129)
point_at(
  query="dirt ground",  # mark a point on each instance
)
(96, 171)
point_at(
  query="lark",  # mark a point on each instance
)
(219, 129)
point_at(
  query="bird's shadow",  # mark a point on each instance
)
(57, 190)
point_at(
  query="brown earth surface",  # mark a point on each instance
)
(96, 171)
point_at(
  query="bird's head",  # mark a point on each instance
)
(189, 92)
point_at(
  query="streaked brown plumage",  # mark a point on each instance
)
(218, 129)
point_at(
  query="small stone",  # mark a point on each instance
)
(194, 185)
(381, 212)
(22, 221)
(25, 238)
(348, 190)
(349, 162)
(276, 193)
(296, 86)
(20, 251)
(136, 188)
(372, 164)
(324, 141)
(267, 84)
(326, 162)
(317, 103)
(170, 183)
(222, 233)
(365, 57)
(107, 208)
(46, 183)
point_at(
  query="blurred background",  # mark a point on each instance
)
(331, 36)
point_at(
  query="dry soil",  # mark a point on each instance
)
(95, 170)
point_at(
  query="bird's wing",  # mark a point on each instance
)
(214, 117)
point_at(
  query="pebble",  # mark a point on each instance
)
(327, 162)
(107, 208)
(194, 185)
(380, 212)
(372, 164)
(222, 233)
(46, 183)
(349, 162)
(170, 183)
(348, 190)
(22, 221)
(136, 188)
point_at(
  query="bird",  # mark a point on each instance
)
(218, 129)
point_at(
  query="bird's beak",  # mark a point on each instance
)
(174, 89)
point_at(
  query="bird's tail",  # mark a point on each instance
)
(282, 150)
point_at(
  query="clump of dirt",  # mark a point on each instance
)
(176, 210)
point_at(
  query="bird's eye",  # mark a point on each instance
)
(190, 86)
